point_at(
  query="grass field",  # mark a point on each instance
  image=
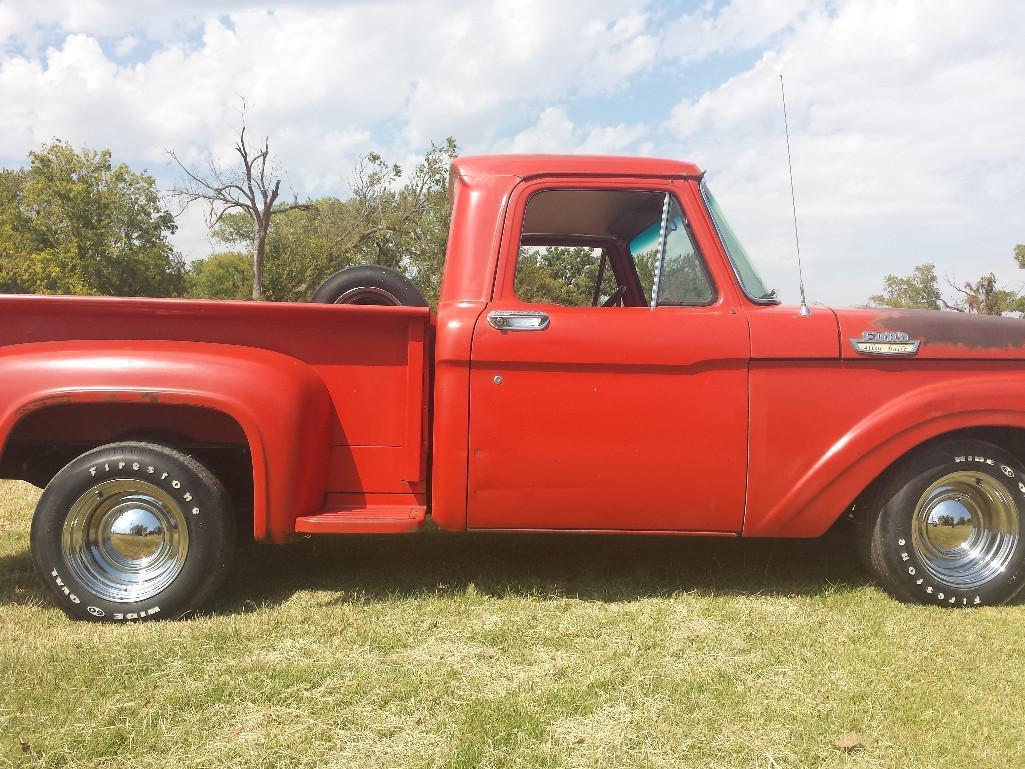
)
(949, 536)
(514, 651)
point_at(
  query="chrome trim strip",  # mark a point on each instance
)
(661, 251)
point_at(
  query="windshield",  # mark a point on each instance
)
(748, 276)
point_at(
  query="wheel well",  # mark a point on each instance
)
(45, 440)
(1011, 439)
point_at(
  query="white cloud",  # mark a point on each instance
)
(740, 26)
(432, 69)
(320, 78)
(554, 132)
(126, 45)
(906, 125)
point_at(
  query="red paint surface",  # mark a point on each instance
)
(601, 420)
(323, 394)
(733, 418)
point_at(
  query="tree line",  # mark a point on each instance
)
(921, 290)
(75, 222)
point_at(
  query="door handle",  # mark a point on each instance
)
(518, 320)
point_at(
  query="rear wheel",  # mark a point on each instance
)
(949, 526)
(132, 531)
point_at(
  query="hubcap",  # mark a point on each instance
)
(965, 529)
(126, 540)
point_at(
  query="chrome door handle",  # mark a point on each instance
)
(518, 320)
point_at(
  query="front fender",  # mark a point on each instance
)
(882, 437)
(280, 403)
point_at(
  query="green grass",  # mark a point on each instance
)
(516, 651)
(949, 536)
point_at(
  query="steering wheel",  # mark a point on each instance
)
(615, 298)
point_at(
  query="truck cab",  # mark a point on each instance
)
(609, 315)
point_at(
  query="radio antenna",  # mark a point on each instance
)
(805, 309)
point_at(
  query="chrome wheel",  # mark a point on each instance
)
(965, 529)
(368, 295)
(126, 540)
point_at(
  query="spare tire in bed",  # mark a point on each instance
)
(369, 284)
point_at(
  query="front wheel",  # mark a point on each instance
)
(950, 526)
(132, 531)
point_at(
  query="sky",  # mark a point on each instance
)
(907, 117)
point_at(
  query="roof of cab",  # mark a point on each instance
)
(525, 166)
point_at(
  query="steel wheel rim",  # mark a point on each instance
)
(368, 295)
(965, 529)
(126, 540)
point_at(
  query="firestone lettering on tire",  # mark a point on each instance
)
(186, 495)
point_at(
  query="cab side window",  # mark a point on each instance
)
(604, 248)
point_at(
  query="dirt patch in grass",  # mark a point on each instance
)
(560, 651)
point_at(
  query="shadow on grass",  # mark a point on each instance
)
(589, 567)
(18, 582)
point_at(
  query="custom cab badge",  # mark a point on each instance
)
(885, 343)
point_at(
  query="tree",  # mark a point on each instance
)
(417, 219)
(228, 275)
(403, 225)
(15, 231)
(251, 188)
(986, 298)
(75, 223)
(919, 291)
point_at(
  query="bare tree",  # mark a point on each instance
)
(251, 186)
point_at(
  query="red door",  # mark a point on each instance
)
(607, 418)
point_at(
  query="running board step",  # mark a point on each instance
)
(382, 519)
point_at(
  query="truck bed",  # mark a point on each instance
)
(373, 362)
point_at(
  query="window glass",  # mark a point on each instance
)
(750, 280)
(683, 280)
(644, 250)
(565, 275)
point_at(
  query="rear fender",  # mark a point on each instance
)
(280, 403)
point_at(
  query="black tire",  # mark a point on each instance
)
(369, 284)
(947, 526)
(149, 498)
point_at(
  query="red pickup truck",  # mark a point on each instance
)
(604, 358)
